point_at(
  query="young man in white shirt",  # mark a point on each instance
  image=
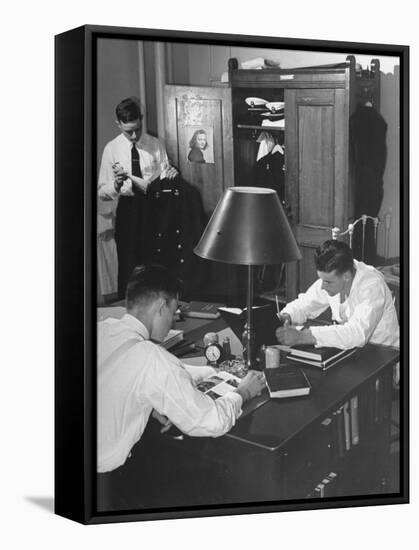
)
(360, 300)
(136, 376)
(130, 162)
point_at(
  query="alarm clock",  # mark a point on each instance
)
(212, 349)
(213, 352)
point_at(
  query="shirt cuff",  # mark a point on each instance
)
(108, 192)
(237, 400)
(326, 337)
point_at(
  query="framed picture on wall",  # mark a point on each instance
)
(154, 135)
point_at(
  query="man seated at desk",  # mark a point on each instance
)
(358, 296)
(135, 375)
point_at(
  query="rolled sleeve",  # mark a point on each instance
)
(308, 305)
(199, 373)
(106, 187)
(357, 331)
(171, 391)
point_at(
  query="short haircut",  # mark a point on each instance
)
(192, 142)
(334, 255)
(149, 282)
(129, 110)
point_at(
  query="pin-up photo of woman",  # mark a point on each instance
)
(200, 147)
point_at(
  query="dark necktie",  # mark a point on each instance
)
(135, 162)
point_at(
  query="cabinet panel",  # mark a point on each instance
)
(307, 273)
(189, 109)
(208, 110)
(317, 145)
(315, 164)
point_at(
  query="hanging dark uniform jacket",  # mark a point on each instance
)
(369, 153)
(162, 226)
(269, 172)
(175, 221)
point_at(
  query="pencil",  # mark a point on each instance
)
(277, 305)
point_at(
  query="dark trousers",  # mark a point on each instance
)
(130, 235)
(161, 472)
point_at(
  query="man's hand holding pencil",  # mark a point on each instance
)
(285, 318)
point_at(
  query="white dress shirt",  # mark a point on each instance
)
(144, 377)
(153, 163)
(367, 315)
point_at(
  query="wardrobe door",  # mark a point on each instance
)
(316, 144)
(206, 112)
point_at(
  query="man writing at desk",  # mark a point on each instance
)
(136, 376)
(358, 296)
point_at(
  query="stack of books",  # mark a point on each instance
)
(322, 357)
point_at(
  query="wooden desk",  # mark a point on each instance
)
(285, 448)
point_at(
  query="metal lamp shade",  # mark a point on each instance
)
(248, 227)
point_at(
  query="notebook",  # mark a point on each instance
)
(323, 358)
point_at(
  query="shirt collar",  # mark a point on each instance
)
(358, 270)
(139, 144)
(136, 325)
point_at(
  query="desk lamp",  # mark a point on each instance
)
(248, 227)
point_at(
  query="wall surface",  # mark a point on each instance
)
(117, 78)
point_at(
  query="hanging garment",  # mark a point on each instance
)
(107, 260)
(175, 221)
(369, 153)
(266, 144)
(269, 172)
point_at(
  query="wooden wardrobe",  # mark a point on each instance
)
(318, 178)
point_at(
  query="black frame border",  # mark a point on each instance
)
(75, 270)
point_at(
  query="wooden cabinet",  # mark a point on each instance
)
(317, 182)
(192, 109)
(317, 171)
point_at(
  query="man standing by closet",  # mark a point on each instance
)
(130, 162)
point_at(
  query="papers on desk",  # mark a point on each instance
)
(219, 384)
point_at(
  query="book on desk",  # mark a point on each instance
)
(321, 357)
(200, 310)
(173, 337)
(287, 381)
